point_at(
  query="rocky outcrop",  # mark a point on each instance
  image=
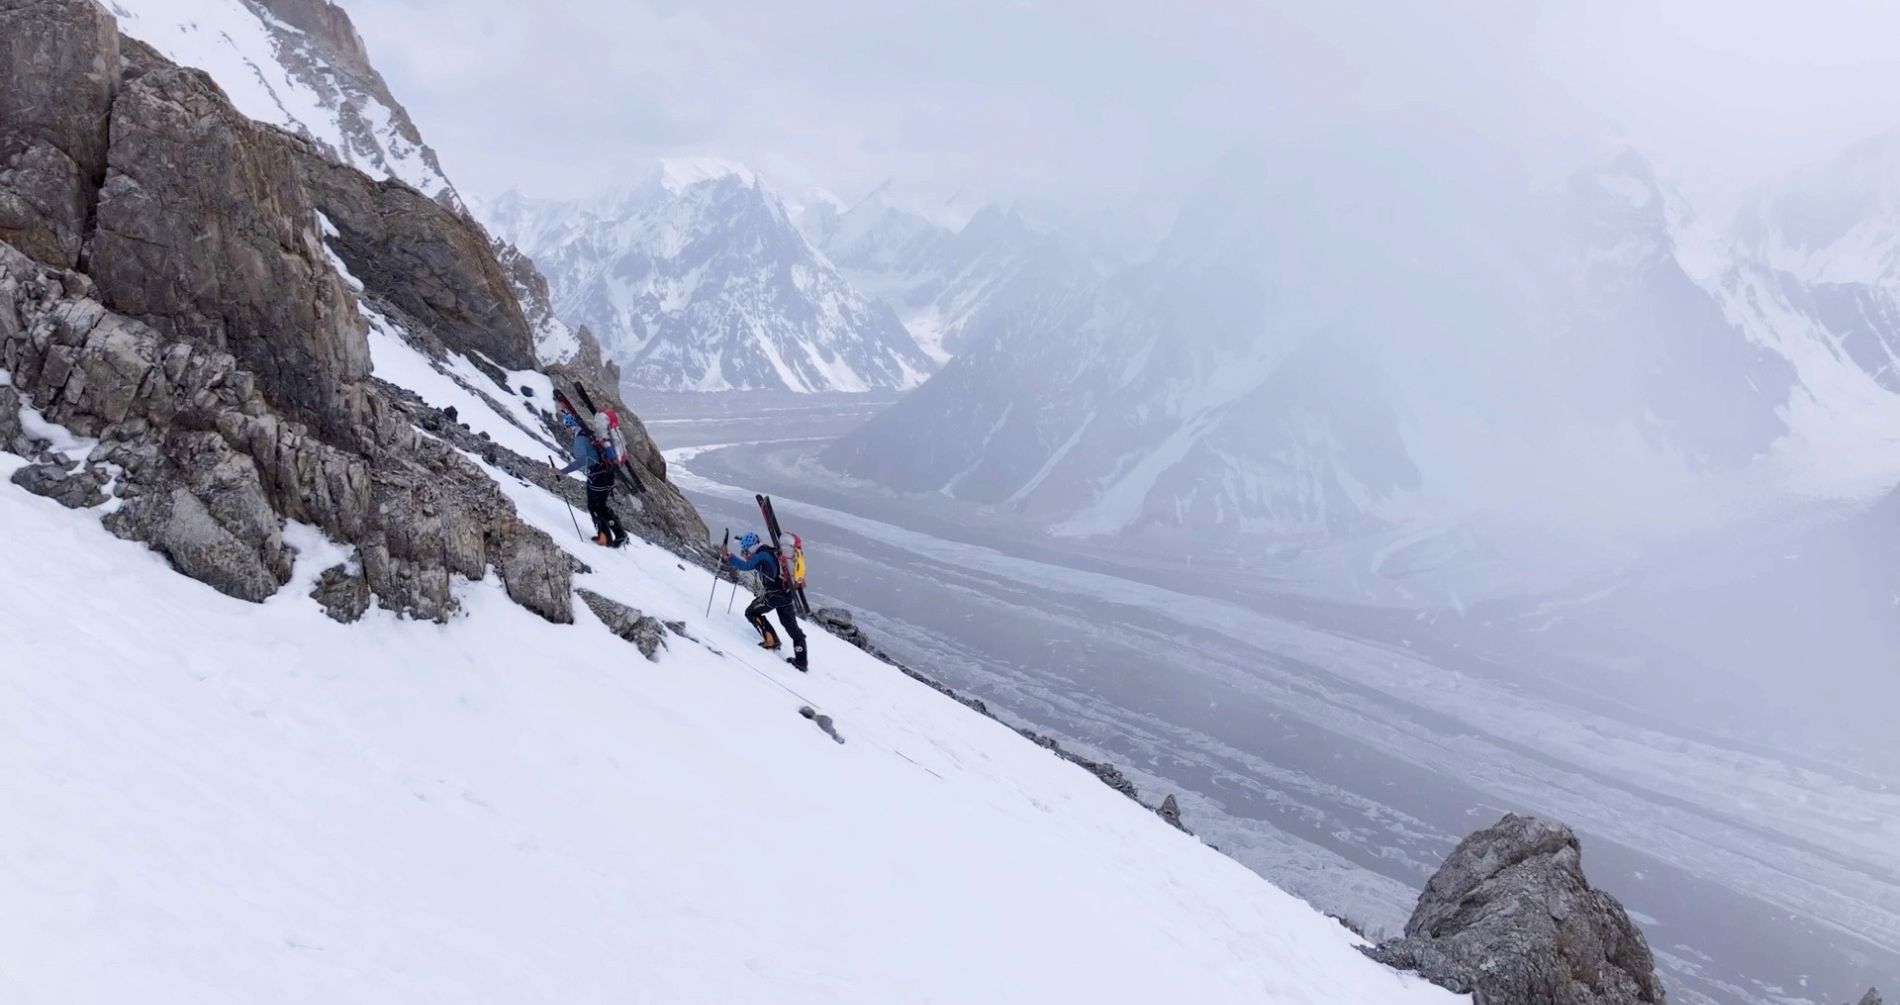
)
(1170, 810)
(208, 469)
(1510, 918)
(647, 633)
(62, 68)
(167, 294)
(60, 483)
(212, 352)
(204, 232)
(425, 263)
(1872, 997)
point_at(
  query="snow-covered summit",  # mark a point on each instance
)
(695, 278)
(677, 174)
(299, 64)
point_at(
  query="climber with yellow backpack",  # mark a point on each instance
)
(779, 592)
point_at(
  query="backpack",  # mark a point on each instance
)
(791, 561)
(607, 430)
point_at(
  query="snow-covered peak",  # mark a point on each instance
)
(696, 278)
(1837, 222)
(298, 64)
(677, 174)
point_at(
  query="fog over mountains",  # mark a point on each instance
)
(1317, 348)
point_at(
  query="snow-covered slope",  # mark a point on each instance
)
(228, 802)
(298, 64)
(696, 279)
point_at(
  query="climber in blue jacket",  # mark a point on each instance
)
(600, 482)
(777, 596)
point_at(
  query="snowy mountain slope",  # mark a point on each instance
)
(696, 279)
(1321, 350)
(947, 279)
(233, 802)
(298, 64)
(1154, 397)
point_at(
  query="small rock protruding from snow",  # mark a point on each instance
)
(1170, 810)
(644, 632)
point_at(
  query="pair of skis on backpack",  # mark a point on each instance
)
(603, 431)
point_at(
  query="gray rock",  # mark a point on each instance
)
(1170, 810)
(59, 67)
(645, 632)
(12, 436)
(430, 265)
(1510, 917)
(344, 594)
(58, 482)
(822, 721)
(177, 525)
(204, 232)
(1872, 997)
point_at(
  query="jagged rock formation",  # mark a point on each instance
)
(1872, 997)
(165, 291)
(1510, 917)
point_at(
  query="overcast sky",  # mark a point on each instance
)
(1095, 102)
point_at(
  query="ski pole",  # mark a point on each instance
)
(564, 502)
(734, 595)
(723, 546)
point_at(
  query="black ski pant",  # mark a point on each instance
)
(605, 521)
(786, 604)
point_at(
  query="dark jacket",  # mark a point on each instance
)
(764, 563)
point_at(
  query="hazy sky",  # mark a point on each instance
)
(1090, 102)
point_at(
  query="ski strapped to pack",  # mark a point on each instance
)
(603, 431)
(790, 552)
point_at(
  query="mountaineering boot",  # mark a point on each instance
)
(770, 642)
(600, 539)
(798, 659)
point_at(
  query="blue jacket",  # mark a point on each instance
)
(585, 456)
(762, 560)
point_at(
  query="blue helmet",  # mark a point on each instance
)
(748, 541)
(568, 420)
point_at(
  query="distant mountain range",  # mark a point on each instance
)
(697, 279)
(1319, 349)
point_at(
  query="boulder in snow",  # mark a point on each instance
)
(1510, 917)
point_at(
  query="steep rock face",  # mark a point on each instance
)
(205, 232)
(64, 68)
(1511, 917)
(298, 64)
(429, 263)
(223, 368)
(696, 279)
(207, 469)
